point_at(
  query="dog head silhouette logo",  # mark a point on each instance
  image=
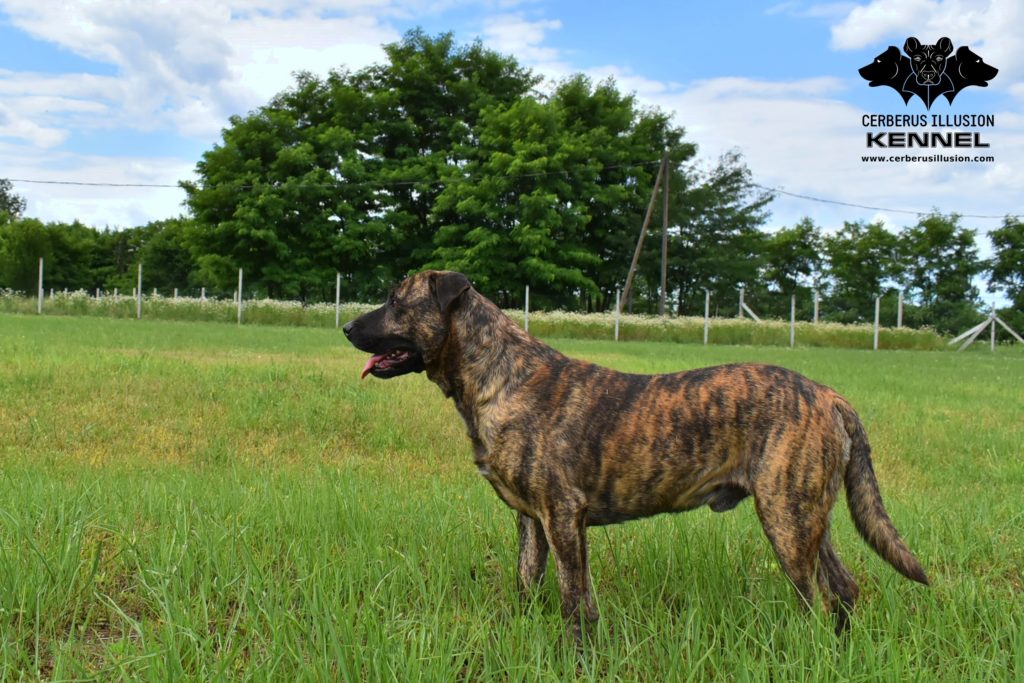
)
(928, 71)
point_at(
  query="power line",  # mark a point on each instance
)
(408, 183)
(87, 184)
(869, 208)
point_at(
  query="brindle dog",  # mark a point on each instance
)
(569, 444)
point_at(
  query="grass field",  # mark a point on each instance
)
(198, 501)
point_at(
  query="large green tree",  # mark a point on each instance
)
(553, 195)
(719, 244)
(342, 173)
(939, 260)
(862, 262)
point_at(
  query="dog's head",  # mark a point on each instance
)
(407, 332)
(928, 61)
(889, 68)
(970, 69)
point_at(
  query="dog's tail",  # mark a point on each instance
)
(865, 501)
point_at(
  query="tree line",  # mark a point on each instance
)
(448, 156)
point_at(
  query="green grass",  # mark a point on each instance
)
(198, 501)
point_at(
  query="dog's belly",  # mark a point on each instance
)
(720, 492)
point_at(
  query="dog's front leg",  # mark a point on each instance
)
(566, 532)
(533, 553)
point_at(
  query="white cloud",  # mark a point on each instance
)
(114, 207)
(990, 27)
(189, 65)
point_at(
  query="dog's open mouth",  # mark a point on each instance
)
(392, 364)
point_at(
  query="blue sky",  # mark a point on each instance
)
(130, 92)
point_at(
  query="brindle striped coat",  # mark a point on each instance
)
(570, 444)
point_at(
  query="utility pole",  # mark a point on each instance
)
(664, 237)
(662, 173)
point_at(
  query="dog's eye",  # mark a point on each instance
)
(392, 301)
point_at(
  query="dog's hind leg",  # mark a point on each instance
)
(837, 584)
(795, 540)
(533, 553)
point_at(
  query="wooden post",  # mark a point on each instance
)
(643, 232)
(39, 303)
(792, 320)
(899, 311)
(618, 312)
(816, 300)
(993, 343)
(175, 292)
(337, 300)
(526, 310)
(741, 302)
(707, 314)
(138, 296)
(202, 293)
(239, 296)
(878, 304)
(664, 238)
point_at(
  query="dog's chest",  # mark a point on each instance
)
(502, 478)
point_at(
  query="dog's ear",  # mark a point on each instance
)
(944, 45)
(447, 288)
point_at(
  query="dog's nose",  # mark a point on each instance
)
(347, 328)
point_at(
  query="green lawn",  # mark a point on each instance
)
(200, 501)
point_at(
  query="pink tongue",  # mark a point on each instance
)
(370, 364)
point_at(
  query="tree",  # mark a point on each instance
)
(862, 259)
(428, 100)
(1006, 269)
(719, 244)
(553, 193)
(625, 143)
(341, 174)
(941, 261)
(519, 221)
(12, 206)
(793, 265)
(22, 243)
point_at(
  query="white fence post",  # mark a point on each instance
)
(741, 302)
(899, 311)
(526, 310)
(817, 299)
(878, 300)
(337, 300)
(707, 314)
(138, 296)
(202, 293)
(239, 296)
(617, 313)
(39, 303)
(792, 320)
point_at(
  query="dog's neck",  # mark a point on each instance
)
(485, 356)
